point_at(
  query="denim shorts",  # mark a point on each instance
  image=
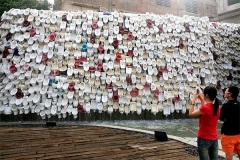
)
(207, 149)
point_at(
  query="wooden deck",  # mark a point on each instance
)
(85, 142)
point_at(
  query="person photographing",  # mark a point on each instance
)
(208, 113)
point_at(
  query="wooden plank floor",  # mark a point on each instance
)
(85, 142)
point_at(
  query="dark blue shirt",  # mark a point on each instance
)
(230, 115)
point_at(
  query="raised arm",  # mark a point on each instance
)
(200, 97)
(197, 112)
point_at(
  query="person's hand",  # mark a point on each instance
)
(200, 96)
(197, 91)
(195, 96)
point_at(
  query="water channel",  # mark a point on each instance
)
(178, 127)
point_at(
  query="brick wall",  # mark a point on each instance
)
(233, 19)
(227, 13)
(223, 7)
(208, 7)
(75, 5)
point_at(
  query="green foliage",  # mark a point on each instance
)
(6, 5)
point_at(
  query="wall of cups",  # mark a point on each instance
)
(225, 38)
(57, 63)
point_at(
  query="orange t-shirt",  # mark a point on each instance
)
(208, 122)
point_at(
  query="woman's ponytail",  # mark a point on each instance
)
(215, 106)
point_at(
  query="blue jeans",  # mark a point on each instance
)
(207, 149)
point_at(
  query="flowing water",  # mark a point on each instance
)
(178, 127)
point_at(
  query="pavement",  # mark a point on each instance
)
(187, 140)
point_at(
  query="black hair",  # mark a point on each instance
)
(234, 91)
(211, 92)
